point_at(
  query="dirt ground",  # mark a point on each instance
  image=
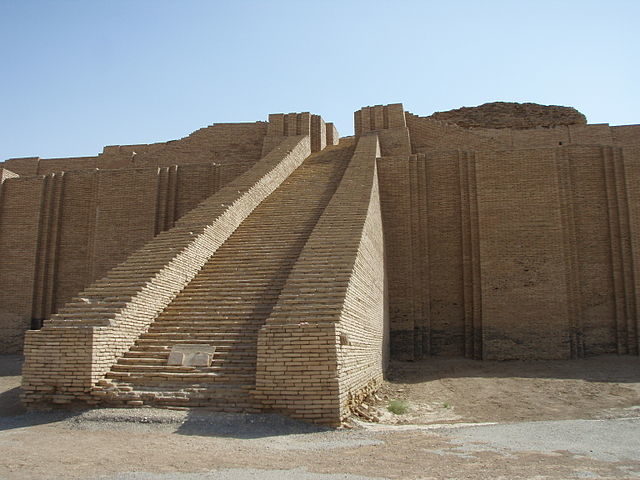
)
(461, 390)
(466, 420)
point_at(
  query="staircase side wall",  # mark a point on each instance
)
(298, 369)
(78, 345)
(363, 328)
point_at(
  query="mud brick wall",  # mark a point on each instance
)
(52, 165)
(631, 165)
(60, 232)
(22, 166)
(598, 134)
(238, 145)
(20, 204)
(323, 344)
(379, 117)
(429, 135)
(364, 323)
(602, 203)
(626, 135)
(540, 137)
(290, 124)
(389, 123)
(318, 133)
(121, 156)
(404, 315)
(524, 276)
(527, 138)
(115, 232)
(431, 242)
(512, 254)
(595, 134)
(591, 247)
(333, 137)
(590, 224)
(78, 345)
(224, 143)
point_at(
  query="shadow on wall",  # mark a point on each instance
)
(604, 368)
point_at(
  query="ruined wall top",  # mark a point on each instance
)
(512, 115)
(379, 117)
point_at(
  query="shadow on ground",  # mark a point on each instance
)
(12, 413)
(244, 426)
(604, 368)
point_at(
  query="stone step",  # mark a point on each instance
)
(218, 397)
(143, 368)
(221, 334)
(162, 377)
(161, 361)
(204, 319)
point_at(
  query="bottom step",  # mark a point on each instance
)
(221, 398)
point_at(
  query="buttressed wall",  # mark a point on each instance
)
(66, 222)
(506, 231)
(514, 242)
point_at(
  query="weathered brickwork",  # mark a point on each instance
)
(104, 321)
(236, 145)
(22, 166)
(512, 253)
(65, 230)
(389, 123)
(510, 115)
(323, 344)
(302, 260)
(230, 299)
(21, 199)
(287, 124)
(561, 135)
(523, 273)
(363, 329)
(631, 157)
(332, 134)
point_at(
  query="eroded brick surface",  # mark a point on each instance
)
(301, 261)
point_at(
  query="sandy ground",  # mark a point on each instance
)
(466, 420)
(462, 390)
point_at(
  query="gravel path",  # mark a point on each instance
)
(613, 440)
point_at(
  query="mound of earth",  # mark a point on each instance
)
(512, 115)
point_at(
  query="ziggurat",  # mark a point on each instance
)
(300, 260)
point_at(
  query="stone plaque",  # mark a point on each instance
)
(191, 355)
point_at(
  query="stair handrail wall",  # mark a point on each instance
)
(78, 345)
(298, 347)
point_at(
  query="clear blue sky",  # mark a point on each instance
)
(78, 75)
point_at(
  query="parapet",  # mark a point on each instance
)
(379, 117)
(390, 124)
(295, 124)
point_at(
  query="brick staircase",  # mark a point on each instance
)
(229, 300)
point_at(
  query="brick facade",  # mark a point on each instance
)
(306, 259)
